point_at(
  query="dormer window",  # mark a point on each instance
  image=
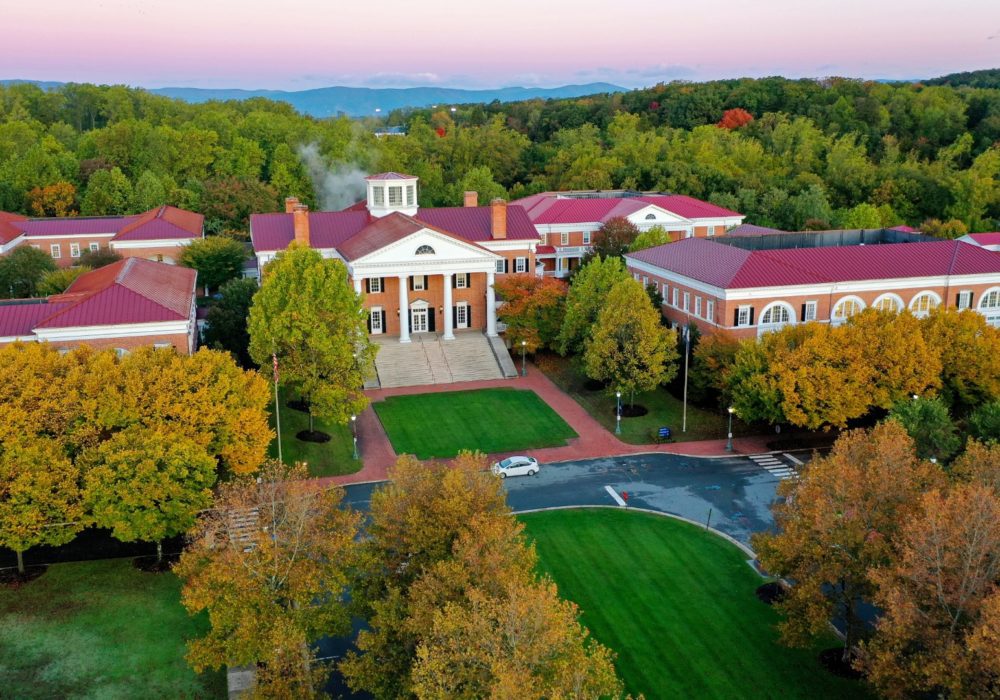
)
(378, 196)
(425, 250)
(411, 195)
(395, 196)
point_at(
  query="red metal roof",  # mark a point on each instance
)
(8, 228)
(550, 208)
(992, 238)
(331, 229)
(162, 223)
(545, 250)
(18, 320)
(689, 207)
(391, 176)
(730, 267)
(385, 231)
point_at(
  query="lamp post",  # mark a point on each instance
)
(524, 365)
(354, 434)
(618, 413)
(729, 442)
(618, 424)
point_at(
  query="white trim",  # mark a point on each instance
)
(812, 306)
(841, 300)
(900, 304)
(43, 236)
(14, 242)
(922, 293)
(158, 243)
(130, 330)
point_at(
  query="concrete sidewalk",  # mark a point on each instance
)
(594, 439)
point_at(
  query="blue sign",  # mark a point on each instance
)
(664, 433)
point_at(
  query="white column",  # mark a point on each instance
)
(491, 305)
(357, 285)
(449, 323)
(404, 308)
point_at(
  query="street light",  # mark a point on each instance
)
(618, 412)
(729, 442)
(354, 433)
(618, 424)
(524, 366)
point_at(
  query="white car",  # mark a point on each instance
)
(516, 466)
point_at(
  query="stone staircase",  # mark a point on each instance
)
(430, 360)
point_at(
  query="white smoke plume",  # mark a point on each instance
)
(337, 186)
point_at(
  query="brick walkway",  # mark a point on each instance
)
(593, 441)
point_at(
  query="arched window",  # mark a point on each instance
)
(888, 302)
(923, 303)
(425, 250)
(775, 317)
(650, 217)
(845, 308)
(989, 306)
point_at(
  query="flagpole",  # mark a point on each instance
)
(277, 411)
(687, 347)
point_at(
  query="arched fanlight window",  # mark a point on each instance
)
(923, 303)
(425, 250)
(650, 217)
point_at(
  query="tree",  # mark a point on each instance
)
(309, 316)
(21, 270)
(226, 321)
(228, 202)
(952, 228)
(927, 421)
(933, 598)
(629, 348)
(532, 309)
(984, 422)
(613, 238)
(217, 259)
(585, 299)
(269, 563)
(149, 193)
(40, 497)
(979, 463)
(711, 362)
(479, 180)
(651, 237)
(970, 356)
(864, 216)
(735, 118)
(108, 194)
(97, 258)
(58, 199)
(148, 484)
(836, 523)
(57, 281)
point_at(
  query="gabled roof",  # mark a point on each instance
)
(554, 208)
(992, 238)
(331, 229)
(385, 231)
(19, 319)
(9, 229)
(162, 223)
(752, 230)
(730, 267)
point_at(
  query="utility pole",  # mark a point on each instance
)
(277, 410)
(687, 348)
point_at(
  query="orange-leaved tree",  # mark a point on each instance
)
(532, 309)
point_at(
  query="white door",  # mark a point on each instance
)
(419, 320)
(462, 316)
(376, 320)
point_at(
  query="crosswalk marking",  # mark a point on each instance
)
(775, 466)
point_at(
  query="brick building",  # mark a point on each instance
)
(437, 264)
(158, 234)
(750, 285)
(566, 221)
(127, 304)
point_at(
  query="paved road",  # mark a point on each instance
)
(738, 492)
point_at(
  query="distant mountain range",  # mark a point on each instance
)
(358, 102)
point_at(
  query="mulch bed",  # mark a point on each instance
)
(833, 661)
(299, 405)
(634, 411)
(12, 578)
(312, 436)
(151, 566)
(771, 593)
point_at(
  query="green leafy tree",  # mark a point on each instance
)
(629, 348)
(308, 315)
(863, 215)
(984, 422)
(226, 322)
(98, 258)
(148, 193)
(480, 180)
(22, 270)
(108, 194)
(651, 237)
(217, 259)
(228, 202)
(585, 299)
(930, 425)
(944, 229)
(57, 281)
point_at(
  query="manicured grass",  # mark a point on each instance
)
(324, 458)
(677, 604)
(488, 420)
(100, 630)
(664, 408)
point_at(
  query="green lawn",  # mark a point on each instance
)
(324, 458)
(677, 604)
(664, 408)
(100, 630)
(488, 420)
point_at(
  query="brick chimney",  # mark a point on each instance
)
(300, 218)
(290, 203)
(498, 218)
(471, 199)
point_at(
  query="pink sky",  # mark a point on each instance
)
(298, 44)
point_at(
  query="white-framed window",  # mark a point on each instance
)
(36, 246)
(743, 315)
(666, 292)
(395, 195)
(502, 265)
(419, 283)
(424, 250)
(378, 195)
(586, 237)
(162, 346)
(645, 281)
(520, 264)
(673, 297)
(711, 230)
(710, 309)
(965, 299)
(74, 250)
(564, 238)
(845, 308)
(374, 285)
(461, 281)
(989, 306)
(543, 239)
(121, 352)
(888, 302)
(809, 311)
(775, 316)
(697, 307)
(95, 247)
(650, 217)
(411, 195)
(924, 303)
(687, 301)
(55, 250)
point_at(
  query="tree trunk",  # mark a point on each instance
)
(310, 418)
(159, 551)
(20, 561)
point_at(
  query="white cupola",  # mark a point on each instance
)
(389, 192)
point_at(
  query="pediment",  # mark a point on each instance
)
(426, 246)
(651, 215)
